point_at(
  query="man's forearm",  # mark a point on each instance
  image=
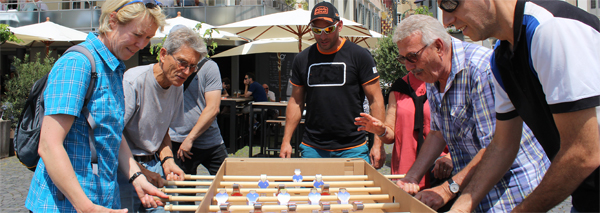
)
(204, 121)
(165, 147)
(433, 145)
(578, 157)
(293, 115)
(493, 164)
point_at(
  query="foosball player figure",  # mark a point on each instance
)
(279, 188)
(325, 190)
(314, 197)
(318, 182)
(222, 197)
(297, 177)
(283, 197)
(263, 183)
(236, 190)
(343, 196)
(252, 197)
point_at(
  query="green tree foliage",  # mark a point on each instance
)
(385, 56)
(7, 35)
(19, 85)
(388, 67)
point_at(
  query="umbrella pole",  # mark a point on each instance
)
(47, 43)
(279, 73)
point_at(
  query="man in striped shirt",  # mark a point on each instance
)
(460, 91)
(546, 70)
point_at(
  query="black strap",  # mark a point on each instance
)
(193, 75)
(403, 87)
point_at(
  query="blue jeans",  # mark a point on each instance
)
(358, 152)
(129, 197)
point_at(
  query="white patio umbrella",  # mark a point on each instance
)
(369, 42)
(285, 24)
(179, 20)
(47, 32)
(275, 45)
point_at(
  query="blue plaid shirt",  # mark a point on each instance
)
(466, 116)
(65, 93)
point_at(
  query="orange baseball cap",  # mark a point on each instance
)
(324, 11)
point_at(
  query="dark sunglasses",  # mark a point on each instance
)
(448, 5)
(411, 57)
(150, 4)
(327, 30)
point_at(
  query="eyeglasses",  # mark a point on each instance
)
(448, 5)
(150, 4)
(411, 57)
(327, 30)
(185, 65)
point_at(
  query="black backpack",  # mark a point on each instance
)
(27, 133)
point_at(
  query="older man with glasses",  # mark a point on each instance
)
(460, 91)
(333, 77)
(153, 102)
(546, 70)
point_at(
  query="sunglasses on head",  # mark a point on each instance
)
(448, 5)
(327, 30)
(411, 57)
(150, 4)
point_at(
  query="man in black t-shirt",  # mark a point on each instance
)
(546, 71)
(332, 77)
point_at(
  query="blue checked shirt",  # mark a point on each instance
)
(65, 93)
(466, 116)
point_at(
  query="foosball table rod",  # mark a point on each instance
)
(303, 184)
(273, 184)
(274, 178)
(248, 208)
(268, 190)
(274, 199)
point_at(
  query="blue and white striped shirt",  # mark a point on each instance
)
(65, 93)
(465, 115)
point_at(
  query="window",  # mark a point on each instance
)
(593, 4)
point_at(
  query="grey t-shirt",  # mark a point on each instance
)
(208, 79)
(149, 110)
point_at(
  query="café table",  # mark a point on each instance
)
(232, 103)
(263, 107)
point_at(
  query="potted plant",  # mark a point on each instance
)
(18, 86)
(4, 131)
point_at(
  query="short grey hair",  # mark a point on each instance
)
(185, 36)
(429, 28)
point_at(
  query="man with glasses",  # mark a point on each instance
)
(461, 98)
(332, 78)
(153, 102)
(546, 70)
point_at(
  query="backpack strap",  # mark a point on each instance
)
(88, 95)
(190, 78)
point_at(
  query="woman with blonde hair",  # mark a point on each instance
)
(66, 179)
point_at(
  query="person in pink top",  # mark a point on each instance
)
(404, 101)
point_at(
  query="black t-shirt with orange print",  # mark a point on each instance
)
(334, 94)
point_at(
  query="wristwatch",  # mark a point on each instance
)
(454, 187)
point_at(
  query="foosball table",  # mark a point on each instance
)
(294, 185)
